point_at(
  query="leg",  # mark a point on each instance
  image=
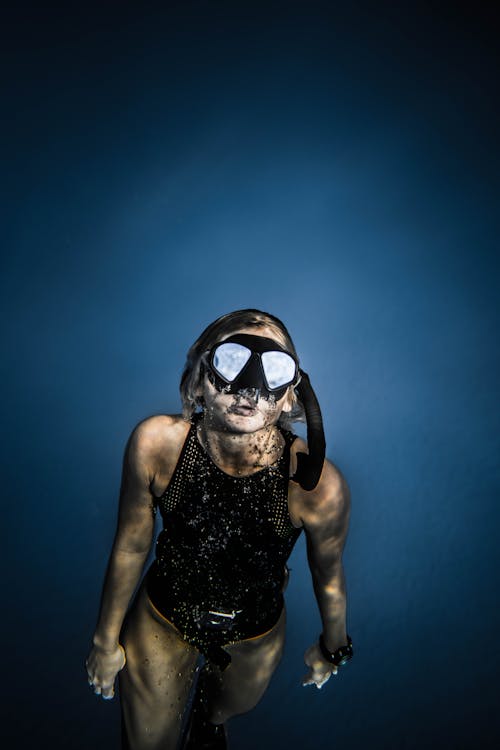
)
(241, 686)
(156, 680)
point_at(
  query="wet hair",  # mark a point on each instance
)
(220, 329)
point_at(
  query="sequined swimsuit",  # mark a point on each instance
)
(223, 548)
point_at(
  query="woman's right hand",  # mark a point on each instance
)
(102, 667)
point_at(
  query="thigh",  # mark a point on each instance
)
(156, 680)
(240, 687)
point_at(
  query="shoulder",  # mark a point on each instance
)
(156, 440)
(155, 430)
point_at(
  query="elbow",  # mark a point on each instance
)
(139, 548)
(135, 541)
(331, 582)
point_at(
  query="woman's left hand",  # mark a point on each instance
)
(320, 670)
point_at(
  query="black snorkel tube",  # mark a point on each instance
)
(310, 466)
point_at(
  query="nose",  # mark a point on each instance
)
(251, 393)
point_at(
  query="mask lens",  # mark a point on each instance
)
(230, 359)
(279, 368)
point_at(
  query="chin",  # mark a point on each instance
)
(245, 422)
(251, 422)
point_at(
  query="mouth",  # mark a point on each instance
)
(243, 409)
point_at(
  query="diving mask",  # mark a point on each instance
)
(244, 362)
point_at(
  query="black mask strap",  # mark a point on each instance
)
(309, 466)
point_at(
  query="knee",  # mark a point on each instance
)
(235, 700)
(222, 713)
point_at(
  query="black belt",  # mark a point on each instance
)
(210, 622)
(215, 628)
(209, 627)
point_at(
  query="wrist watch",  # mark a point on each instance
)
(340, 656)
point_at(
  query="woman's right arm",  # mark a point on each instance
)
(131, 546)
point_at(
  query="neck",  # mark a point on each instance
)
(240, 453)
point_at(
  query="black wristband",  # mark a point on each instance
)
(340, 656)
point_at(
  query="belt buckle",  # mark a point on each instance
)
(217, 620)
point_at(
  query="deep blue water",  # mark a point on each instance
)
(334, 164)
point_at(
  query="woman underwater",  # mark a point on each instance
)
(235, 489)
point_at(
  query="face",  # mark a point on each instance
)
(241, 412)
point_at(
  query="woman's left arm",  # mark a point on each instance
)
(326, 519)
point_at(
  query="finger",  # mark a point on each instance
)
(323, 680)
(308, 682)
(319, 683)
(316, 678)
(108, 694)
(309, 679)
(97, 689)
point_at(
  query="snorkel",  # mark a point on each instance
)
(310, 465)
(260, 367)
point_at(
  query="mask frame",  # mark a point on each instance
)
(252, 376)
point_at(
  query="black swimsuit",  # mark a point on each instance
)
(220, 560)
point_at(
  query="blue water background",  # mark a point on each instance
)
(334, 164)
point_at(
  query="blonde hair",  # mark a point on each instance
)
(221, 328)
